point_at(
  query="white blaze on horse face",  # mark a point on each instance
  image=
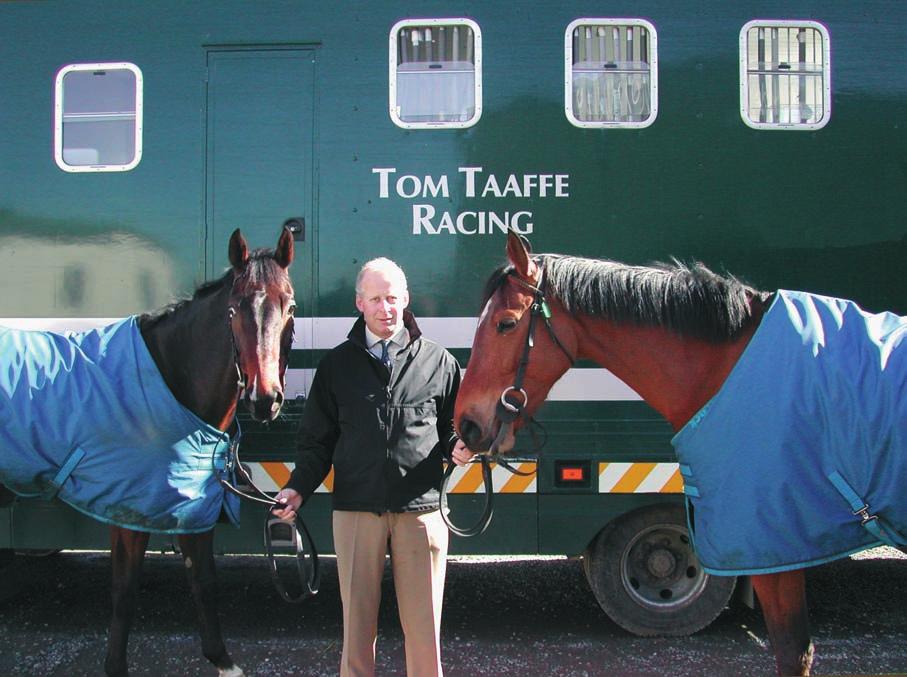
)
(268, 331)
(258, 326)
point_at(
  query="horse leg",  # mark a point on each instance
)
(198, 555)
(127, 551)
(783, 600)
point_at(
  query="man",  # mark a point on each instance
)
(380, 411)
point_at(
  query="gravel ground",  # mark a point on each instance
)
(503, 617)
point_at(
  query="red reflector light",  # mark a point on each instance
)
(572, 474)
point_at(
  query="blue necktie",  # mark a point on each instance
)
(385, 357)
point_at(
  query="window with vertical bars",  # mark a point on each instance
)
(98, 117)
(611, 77)
(435, 73)
(785, 75)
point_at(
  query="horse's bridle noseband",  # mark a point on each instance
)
(508, 410)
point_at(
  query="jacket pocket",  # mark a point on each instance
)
(414, 432)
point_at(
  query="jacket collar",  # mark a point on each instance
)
(357, 333)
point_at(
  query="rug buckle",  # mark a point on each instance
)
(864, 513)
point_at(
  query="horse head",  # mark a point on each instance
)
(514, 361)
(261, 309)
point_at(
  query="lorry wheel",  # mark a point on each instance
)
(645, 576)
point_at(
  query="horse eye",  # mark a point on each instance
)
(506, 325)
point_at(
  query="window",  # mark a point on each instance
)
(98, 117)
(611, 75)
(435, 73)
(785, 75)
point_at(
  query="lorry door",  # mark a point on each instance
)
(259, 162)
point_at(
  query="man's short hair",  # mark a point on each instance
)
(380, 265)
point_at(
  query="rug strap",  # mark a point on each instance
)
(63, 473)
(686, 472)
(860, 508)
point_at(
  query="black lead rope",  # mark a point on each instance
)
(485, 519)
(307, 567)
(307, 564)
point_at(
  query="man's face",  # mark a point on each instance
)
(381, 301)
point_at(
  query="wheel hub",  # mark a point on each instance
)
(656, 569)
(661, 563)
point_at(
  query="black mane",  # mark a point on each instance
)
(689, 300)
(260, 269)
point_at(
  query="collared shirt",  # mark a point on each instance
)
(394, 343)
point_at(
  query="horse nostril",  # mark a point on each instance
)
(470, 432)
(278, 403)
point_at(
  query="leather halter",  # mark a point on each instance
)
(507, 412)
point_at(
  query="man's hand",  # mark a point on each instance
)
(460, 454)
(293, 500)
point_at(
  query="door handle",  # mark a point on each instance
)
(296, 224)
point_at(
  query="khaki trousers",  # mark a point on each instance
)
(418, 548)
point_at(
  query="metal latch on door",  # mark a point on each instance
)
(296, 224)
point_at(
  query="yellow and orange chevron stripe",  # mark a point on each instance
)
(613, 478)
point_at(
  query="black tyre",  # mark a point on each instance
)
(645, 576)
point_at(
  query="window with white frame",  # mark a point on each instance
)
(98, 117)
(611, 73)
(435, 73)
(785, 75)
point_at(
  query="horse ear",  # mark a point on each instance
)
(239, 250)
(518, 249)
(283, 254)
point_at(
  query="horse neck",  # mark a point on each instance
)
(675, 375)
(193, 350)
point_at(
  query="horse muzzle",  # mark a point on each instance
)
(264, 408)
(473, 437)
(480, 441)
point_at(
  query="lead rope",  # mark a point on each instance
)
(307, 563)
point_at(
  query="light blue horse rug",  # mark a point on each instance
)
(801, 457)
(87, 417)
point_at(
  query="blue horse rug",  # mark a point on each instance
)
(87, 417)
(801, 457)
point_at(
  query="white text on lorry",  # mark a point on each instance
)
(475, 183)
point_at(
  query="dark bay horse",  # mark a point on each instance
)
(237, 327)
(678, 335)
(228, 344)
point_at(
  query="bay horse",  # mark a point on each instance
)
(686, 340)
(228, 344)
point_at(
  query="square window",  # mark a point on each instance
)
(98, 117)
(785, 75)
(435, 73)
(611, 73)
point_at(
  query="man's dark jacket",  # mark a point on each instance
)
(385, 432)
